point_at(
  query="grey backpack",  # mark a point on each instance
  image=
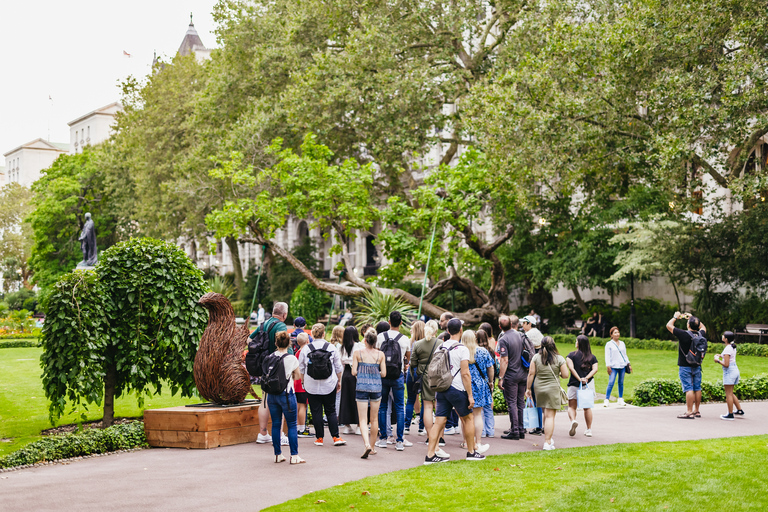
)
(439, 376)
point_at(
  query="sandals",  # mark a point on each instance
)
(295, 459)
(280, 458)
(686, 416)
(697, 414)
(367, 452)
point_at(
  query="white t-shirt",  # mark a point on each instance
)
(729, 350)
(291, 363)
(404, 342)
(456, 356)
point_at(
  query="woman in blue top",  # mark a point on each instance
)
(368, 366)
(481, 370)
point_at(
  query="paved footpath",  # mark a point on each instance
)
(246, 477)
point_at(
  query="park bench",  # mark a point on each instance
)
(577, 326)
(758, 330)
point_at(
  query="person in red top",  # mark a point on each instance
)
(301, 395)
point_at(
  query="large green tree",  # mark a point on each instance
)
(73, 186)
(132, 323)
(15, 235)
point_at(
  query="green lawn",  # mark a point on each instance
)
(24, 408)
(681, 476)
(662, 364)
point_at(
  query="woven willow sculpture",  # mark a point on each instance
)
(219, 373)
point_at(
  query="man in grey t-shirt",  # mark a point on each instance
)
(513, 376)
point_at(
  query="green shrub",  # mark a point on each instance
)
(22, 335)
(241, 308)
(669, 391)
(19, 343)
(87, 442)
(499, 404)
(309, 302)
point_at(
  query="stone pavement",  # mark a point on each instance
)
(246, 477)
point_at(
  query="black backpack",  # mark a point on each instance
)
(319, 366)
(527, 353)
(393, 356)
(698, 349)
(274, 381)
(258, 349)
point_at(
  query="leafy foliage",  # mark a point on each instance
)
(86, 442)
(309, 302)
(653, 392)
(376, 306)
(15, 235)
(222, 285)
(131, 323)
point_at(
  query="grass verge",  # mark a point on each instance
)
(669, 476)
(24, 408)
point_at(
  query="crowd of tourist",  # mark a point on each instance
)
(375, 387)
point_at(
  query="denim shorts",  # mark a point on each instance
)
(731, 375)
(365, 396)
(690, 378)
(452, 399)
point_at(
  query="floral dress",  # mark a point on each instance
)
(481, 391)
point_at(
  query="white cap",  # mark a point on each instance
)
(531, 320)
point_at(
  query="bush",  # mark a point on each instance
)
(653, 392)
(21, 336)
(309, 302)
(15, 300)
(92, 441)
(499, 404)
(19, 344)
(241, 308)
(652, 317)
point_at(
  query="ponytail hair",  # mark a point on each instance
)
(549, 351)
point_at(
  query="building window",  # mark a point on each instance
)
(89, 134)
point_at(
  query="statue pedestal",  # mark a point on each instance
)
(202, 427)
(84, 267)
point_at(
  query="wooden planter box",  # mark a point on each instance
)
(201, 427)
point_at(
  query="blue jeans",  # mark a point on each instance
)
(412, 389)
(397, 387)
(281, 405)
(612, 379)
(489, 423)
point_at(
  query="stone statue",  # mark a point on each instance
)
(88, 243)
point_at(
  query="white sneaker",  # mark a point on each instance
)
(357, 431)
(588, 432)
(391, 440)
(381, 443)
(347, 430)
(482, 448)
(605, 403)
(549, 446)
(284, 440)
(422, 432)
(620, 402)
(574, 424)
(407, 443)
(450, 431)
(407, 431)
(399, 446)
(442, 454)
(263, 439)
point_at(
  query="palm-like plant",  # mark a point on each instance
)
(376, 306)
(223, 286)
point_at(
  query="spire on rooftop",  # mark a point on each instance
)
(192, 41)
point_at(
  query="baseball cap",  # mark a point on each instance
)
(454, 326)
(531, 320)
(299, 321)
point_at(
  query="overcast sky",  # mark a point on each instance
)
(73, 51)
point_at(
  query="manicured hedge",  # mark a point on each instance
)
(87, 442)
(744, 349)
(21, 336)
(653, 392)
(19, 343)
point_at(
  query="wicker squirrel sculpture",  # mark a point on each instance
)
(219, 373)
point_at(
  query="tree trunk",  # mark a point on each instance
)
(234, 251)
(579, 300)
(110, 383)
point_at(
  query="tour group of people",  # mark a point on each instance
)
(371, 381)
